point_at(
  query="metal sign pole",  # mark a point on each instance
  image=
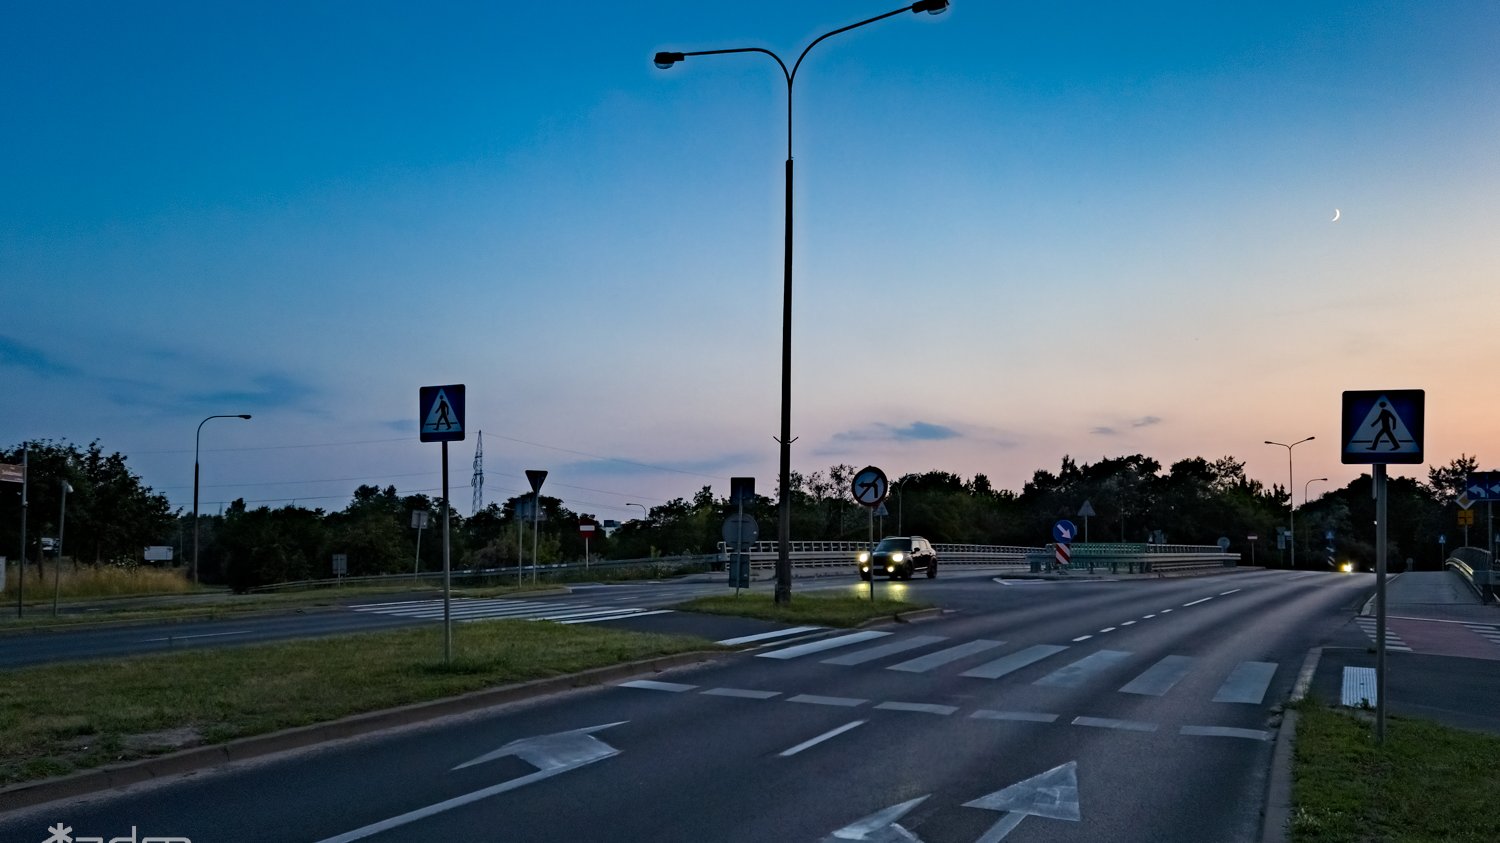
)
(21, 566)
(447, 570)
(871, 510)
(1380, 568)
(536, 515)
(739, 547)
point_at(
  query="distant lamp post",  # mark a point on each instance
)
(1309, 483)
(1292, 501)
(645, 516)
(666, 60)
(62, 518)
(197, 439)
(900, 498)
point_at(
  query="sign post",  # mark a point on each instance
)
(586, 529)
(535, 477)
(440, 418)
(1381, 427)
(1063, 533)
(869, 488)
(419, 521)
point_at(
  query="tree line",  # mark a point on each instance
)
(112, 516)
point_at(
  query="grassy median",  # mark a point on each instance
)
(1427, 783)
(60, 718)
(820, 609)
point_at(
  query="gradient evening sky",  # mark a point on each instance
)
(1023, 230)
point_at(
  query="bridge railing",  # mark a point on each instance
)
(1477, 569)
(1118, 557)
(820, 554)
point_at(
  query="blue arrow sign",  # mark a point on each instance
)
(1063, 532)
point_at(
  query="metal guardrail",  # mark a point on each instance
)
(814, 554)
(1142, 558)
(499, 575)
(1477, 569)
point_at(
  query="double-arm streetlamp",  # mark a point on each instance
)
(197, 439)
(784, 525)
(1291, 516)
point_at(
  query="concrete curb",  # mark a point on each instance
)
(28, 794)
(1278, 817)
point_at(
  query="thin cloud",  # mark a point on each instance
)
(1142, 421)
(916, 431)
(31, 359)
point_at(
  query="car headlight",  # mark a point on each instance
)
(897, 556)
(863, 557)
(1347, 567)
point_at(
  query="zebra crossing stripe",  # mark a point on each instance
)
(910, 642)
(820, 646)
(1247, 683)
(632, 613)
(1075, 674)
(762, 636)
(1160, 677)
(925, 663)
(1014, 661)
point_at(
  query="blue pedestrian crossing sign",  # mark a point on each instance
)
(440, 412)
(1383, 426)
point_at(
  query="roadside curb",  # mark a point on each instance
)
(28, 794)
(1278, 817)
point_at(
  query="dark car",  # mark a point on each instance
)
(898, 557)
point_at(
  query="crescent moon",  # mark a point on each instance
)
(1335, 215)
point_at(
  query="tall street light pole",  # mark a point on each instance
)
(197, 439)
(1291, 515)
(784, 525)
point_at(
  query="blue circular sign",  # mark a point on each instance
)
(1063, 532)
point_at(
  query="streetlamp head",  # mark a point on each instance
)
(1269, 442)
(244, 415)
(665, 60)
(931, 7)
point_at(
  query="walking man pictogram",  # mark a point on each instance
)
(443, 421)
(1387, 421)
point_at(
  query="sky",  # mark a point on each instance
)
(1022, 231)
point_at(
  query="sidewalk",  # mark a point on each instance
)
(1442, 643)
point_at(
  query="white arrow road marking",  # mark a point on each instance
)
(550, 754)
(1052, 794)
(880, 825)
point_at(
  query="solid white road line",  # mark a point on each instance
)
(820, 738)
(200, 635)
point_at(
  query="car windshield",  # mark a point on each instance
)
(893, 544)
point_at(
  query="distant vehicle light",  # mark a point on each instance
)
(1347, 567)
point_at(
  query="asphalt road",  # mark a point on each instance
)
(1033, 711)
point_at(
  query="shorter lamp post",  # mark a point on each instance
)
(62, 518)
(197, 439)
(1308, 541)
(645, 516)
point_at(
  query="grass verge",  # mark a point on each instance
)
(61, 718)
(823, 610)
(1427, 783)
(210, 605)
